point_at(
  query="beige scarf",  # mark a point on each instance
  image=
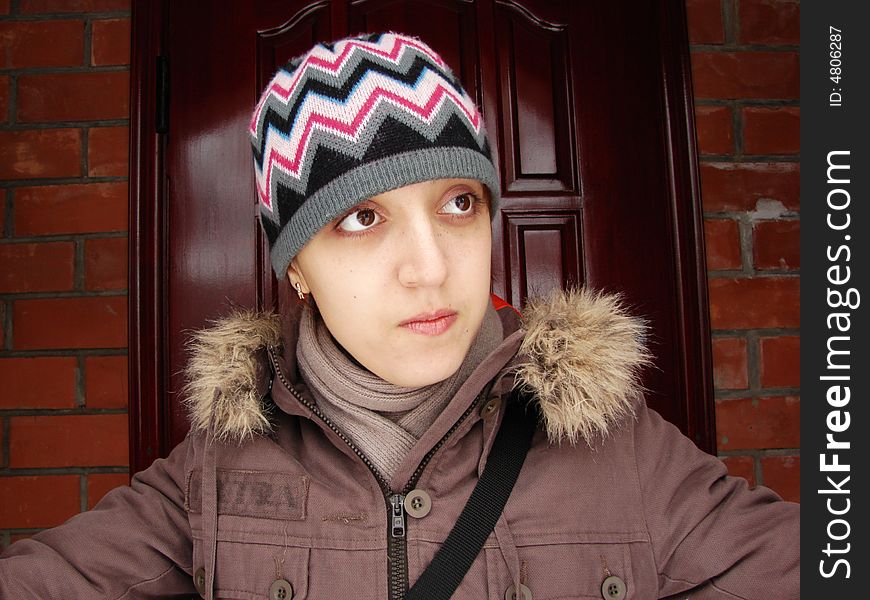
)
(382, 419)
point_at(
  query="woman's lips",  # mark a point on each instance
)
(434, 323)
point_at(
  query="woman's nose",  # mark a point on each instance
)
(422, 259)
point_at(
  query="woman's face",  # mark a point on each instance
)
(402, 279)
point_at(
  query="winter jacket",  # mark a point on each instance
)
(265, 499)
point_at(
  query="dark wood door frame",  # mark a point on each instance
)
(147, 380)
(148, 405)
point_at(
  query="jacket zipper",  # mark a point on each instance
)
(397, 548)
(397, 545)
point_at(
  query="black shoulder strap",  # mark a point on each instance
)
(478, 518)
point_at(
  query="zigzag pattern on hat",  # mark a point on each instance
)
(339, 98)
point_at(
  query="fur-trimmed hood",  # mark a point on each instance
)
(581, 357)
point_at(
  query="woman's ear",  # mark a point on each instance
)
(294, 273)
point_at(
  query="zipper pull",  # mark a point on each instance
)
(397, 504)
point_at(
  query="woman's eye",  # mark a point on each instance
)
(460, 205)
(360, 220)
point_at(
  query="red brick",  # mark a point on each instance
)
(739, 186)
(714, 127)
(777, 244)
(747, 424)
(741, 466)
(782, 474)
(771, 130)
(4, 98)
(729, 364)
(705, 21)
(106, 264)
(754, 303)
(106, 382)
(41, 44)
(38, 501)
(772, 75)
(4, 7)
(68, 441)
(769, 21)
(74, 208)
(36, 267)
(73, 96)
(110, 42)
(40, 153)
(108, 151)
(722, 239)
(95, 322)
(100, 484)
(43, 382)
(781, 361)
(74, 6)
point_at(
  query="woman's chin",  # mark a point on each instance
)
(420, 373)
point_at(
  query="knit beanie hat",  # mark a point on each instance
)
(353, 119)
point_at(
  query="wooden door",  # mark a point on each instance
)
(588, 107)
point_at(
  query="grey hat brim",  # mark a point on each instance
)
(373, 178)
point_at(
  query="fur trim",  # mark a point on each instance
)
(582, 355)
(221, 392)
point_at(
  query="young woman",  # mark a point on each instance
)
(332, 449)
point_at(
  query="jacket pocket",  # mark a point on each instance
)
(341, 573)
(253, 571)
(565, 571)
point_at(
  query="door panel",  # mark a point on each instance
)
(545, 249)
(535, 120)
(588, 109)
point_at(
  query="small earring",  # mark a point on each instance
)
(299, 291)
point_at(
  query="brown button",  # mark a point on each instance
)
(199, 581)
(512, 594)
(490, 408)
(613, 588)
(418, 504)
(281, 590)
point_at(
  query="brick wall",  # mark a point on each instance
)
(745, 70)
(63, 185)
(64, 112)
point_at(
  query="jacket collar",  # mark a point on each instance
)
(580, 356)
